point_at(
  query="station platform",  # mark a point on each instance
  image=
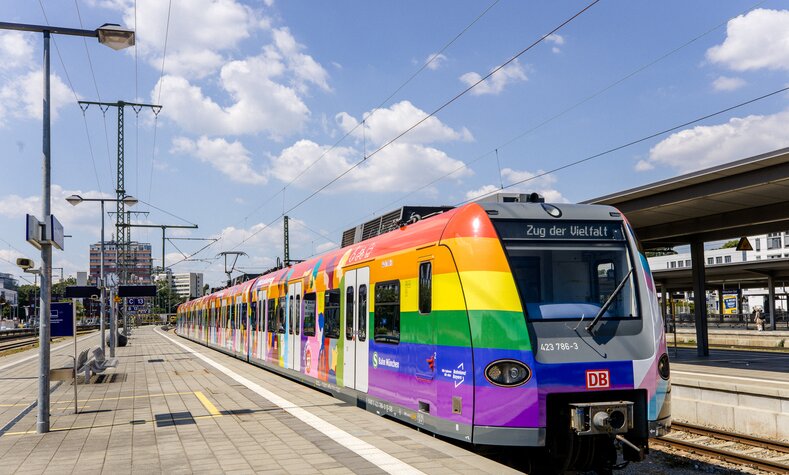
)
(746, 392)
(171, 406)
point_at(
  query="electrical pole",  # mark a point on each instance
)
(122, 233)
(233, 265)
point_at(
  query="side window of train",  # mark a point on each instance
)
(349, 313)
(291, 310)
(243, 314)
(298, 313)
(281, 315)
(331, 322)
(387, 312)
(309, 314)
(253, 319)
(363, 315)
(425, 287)
(270, 316)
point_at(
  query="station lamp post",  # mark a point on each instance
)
(74, 200)
(116, 38)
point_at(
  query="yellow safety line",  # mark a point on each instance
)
(208, 404)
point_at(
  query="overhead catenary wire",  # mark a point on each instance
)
(550, 119)
(381, 104)
(73, 91)
(412, 127)
(443, 106)
(633, 142)
(159, 95)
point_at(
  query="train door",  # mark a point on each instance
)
(294, 318)
(356, 344)
(260, 316)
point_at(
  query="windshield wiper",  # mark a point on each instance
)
(604, 308)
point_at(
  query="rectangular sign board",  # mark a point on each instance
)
(82, 292)
(54, 232)
(135, 301)
(137, 291)
(560, 230)
(62, 319)
(33, 231)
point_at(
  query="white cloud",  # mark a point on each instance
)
(22, 96)
(705, 146)
(435, 61)
(724, 83)
(644, 166)
(544, 185)
(85, 216)
(385, 124)
(200, 32)
(757, 40)
(16, 49)
(232, 159)
(396, 166)
(557, 40)
(304, 68)
(495, 84)
(260, 105)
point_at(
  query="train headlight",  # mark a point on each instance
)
(507, 373)
(663, 367)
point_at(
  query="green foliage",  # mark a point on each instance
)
(666, 251)
(730, 244)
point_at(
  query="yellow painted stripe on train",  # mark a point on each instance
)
(478, 254)
(209, 406)
(490, 291)
(447, 293)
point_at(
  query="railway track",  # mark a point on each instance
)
(769, 455)
(23, 341)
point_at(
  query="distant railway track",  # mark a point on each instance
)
(23, 339)
(769, 455)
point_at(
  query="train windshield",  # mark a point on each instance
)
(570, 275)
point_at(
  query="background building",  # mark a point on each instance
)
(765, 246)
(138, 261)
(187, 285)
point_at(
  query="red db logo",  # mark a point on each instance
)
(597, 379)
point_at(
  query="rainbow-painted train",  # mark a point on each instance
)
(505, 323)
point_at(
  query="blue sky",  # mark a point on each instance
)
(254, 92)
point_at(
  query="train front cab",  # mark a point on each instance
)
(534, 277)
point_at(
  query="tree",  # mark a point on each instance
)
(666, 251)
(730, 244)
(167, 301)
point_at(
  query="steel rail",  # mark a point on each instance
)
(775, 466)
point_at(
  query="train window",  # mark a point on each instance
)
(572, 280)
(254, 318)
(331, 321)
(606, 280)
(243, 316)
(309, 314)
(281, 315)
(362, 314)
(298, 313)
(290, 314)
(270, 316)
(387, 312)
(425, 287)
(349, 313)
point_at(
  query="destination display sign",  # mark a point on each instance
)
(561, 230)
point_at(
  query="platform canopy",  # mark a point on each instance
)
(740, 198)
(746, 275)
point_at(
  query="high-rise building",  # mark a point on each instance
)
(187, 285)
(138, 261)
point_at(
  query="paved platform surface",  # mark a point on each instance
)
(174, 407)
